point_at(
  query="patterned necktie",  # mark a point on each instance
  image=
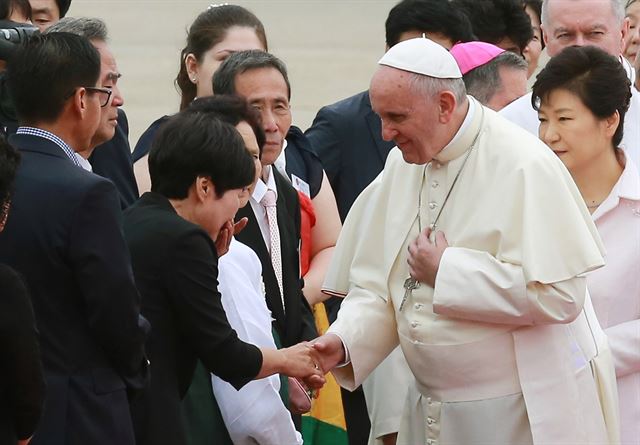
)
(269, 203)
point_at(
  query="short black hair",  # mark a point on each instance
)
(596, 77)
(63, 6)
(9, 161)
(427, 16)
(46, 70)
(224, 79)
(493, 20)
(232, 110)
(193, 143)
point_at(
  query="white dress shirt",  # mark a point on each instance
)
(255, 414)
(258, 209)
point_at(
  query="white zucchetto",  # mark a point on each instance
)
(422, 56)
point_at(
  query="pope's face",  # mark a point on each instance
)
(409, 118)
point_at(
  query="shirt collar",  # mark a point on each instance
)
(627, 187)
(261, 187)
(53, 138)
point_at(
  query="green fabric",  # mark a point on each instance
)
(316, 432)
(201, 415)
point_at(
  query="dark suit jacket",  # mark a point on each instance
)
(64, 236)
(296, 323)
(112, 160)
(175, 265)
(21, 378)
(347, 136)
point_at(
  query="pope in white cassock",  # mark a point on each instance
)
(469, 250)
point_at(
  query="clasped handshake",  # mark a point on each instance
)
(310, 361)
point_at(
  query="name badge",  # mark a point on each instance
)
(300, 185)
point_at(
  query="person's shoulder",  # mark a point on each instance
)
(350, 104)
(144, 142)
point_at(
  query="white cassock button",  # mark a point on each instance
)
(435, 184)
(414, 324)
(417, 306)
(430, 421)
(429, 400)
(433, 205)
(431, 442)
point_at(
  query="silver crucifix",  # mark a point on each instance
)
(410, 284)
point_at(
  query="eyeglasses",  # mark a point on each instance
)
(105, 94)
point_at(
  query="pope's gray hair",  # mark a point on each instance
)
(429, 87)
(88, 27)
(616, 7)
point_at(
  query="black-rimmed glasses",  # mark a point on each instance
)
(105, 94)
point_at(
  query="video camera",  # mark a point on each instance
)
(13, 34)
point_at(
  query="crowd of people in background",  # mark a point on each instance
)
(484, 287)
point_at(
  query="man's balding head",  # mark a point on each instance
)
(599, 23)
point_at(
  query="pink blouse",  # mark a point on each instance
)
(615, 291)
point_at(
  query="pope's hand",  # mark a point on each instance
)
(330, 350)
(304, 362)
(424, 256)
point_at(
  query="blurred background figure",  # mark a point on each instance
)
(632, 12)
(45, 13)
(582, 97)
(501, 22)
(492, 75)
(22, 390)
(18, 11)
(535, 46)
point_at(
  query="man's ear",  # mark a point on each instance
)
(204, 187)
(446, 106)
(79, 101)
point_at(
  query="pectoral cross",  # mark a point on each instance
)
(410, 284)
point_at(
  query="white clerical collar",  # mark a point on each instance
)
(261, 187)
(450, 151)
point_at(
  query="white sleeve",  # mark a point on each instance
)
(474, 285)
(255, 414)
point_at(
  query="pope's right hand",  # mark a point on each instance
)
(303, 361)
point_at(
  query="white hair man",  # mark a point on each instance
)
(600, 23)
(458, 253)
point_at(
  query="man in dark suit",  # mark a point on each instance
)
(64, 237)
(111, 158)
(347, 136)
(262, 79)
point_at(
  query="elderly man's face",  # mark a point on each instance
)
(109, 76)
(581, 23)
(44, 13)
(266, 90)
(408, 118)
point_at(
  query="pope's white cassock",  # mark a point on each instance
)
(501, 349)
(522, 113)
